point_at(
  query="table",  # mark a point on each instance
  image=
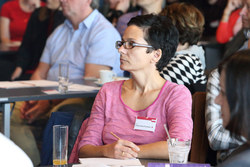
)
(8, 96)
(143, 162)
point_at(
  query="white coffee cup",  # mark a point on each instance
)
(106, 76)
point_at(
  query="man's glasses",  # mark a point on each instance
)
(129, 45)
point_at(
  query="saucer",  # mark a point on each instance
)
(98, 82)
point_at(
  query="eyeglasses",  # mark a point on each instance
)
(129, 45)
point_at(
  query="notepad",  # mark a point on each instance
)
(108, 162)
(155, 164)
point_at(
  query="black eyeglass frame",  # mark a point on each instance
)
(131, 45)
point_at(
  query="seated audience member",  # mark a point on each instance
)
(241, 40)
(147, 45)
(219, 138)
(213, 11)
(234, 99)
(116, 8)
(230, 23)
(86, 41)
(12, 155)
(147, 7)
(42, 23)
(14, 17)
(188, 64)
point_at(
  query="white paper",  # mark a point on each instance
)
(44, 83)
(52, 91)
(106, 162)
(78, 87)
(40, 83)
(27, 84)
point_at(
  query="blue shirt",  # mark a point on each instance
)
(93, 43)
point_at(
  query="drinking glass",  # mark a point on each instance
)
(63, 77)
(178, 151)
(60, 144)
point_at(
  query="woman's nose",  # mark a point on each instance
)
(243, 11)
(121, 49)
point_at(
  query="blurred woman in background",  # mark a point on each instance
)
(234, 99)
(41, 24)
(14, 17)
(188, 64)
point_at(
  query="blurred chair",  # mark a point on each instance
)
(213, 55)
(71, 115)
(199, 147)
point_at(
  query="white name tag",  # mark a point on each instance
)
(145, 123)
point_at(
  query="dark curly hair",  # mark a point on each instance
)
(188, 20)
(160, 33)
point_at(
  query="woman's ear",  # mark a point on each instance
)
(157, 55)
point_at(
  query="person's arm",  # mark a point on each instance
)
(91, 143)
(229, 18)
(4, 30)
(231, 6)
(219, 138)
(92, 70)
(105, 58)
(24, 57)
(17, 73)
(31, 110)
(179, 122)
(41, 71)
(199, 70)
(123, 149)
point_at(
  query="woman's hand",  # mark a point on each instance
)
(121, 149)
(123, 5)
(232, 5)
(17, 73)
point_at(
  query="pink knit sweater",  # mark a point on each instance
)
(109, 113)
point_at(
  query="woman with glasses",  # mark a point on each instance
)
(127, 117)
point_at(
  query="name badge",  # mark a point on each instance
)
(145, 123)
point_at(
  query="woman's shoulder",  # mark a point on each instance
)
(175, 92)
(172, 87)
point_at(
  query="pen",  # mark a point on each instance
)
(118, 138)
